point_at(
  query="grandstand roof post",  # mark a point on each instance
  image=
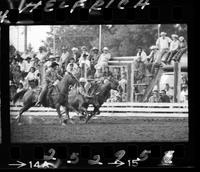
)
(177, 81)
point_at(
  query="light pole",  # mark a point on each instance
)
(54, 40)
(100, 30)
(25, 38)
(159, 30)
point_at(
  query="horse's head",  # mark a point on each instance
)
(70, 79)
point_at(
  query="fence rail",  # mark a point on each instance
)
(126, 108)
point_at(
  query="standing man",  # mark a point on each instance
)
(42, 57)
(51, 78)
(103, 59)
(141, 53)
(75, 54)
(64, 58)
(163, 43)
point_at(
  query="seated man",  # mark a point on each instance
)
(51, 78)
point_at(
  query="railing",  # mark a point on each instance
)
(123, 109)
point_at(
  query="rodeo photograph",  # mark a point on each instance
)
(98, 83)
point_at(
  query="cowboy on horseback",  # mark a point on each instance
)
(51, 79)
(82, 89)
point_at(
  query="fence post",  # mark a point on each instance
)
(177, 83)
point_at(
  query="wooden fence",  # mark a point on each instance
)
(122, 109)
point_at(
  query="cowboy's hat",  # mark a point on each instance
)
(74, 48)
(105, 48)
(174, 36)
(163, 33)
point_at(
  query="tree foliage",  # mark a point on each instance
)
(122, 40)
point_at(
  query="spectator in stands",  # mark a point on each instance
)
(139, 72)
(94, 54)
(116, 73)
(13, 65)
(169, 91)
(151, 58)
(141, 53)
(27, 65)
(182, 49)
(36, 63)
(185, 79)
(25, 54)
(72, 66)
(75, 54)
(49, 61)
(174, 46)
(107, 73)
(123, 84)
(184, 94)
(84, 64)
(103, 59)
(124, 72)
(163, 97)
(20, 87)
(98, 73)
(17, 75)
(155, 97)
(84, 51)
(57, 59)
(92, 70)
(64, 59)
(42, 53)
(32, 76)
(163, 43)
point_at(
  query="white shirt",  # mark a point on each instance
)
(63, 57)
(31, 76)
(41, 56)
(84, 61)
(183, 96)
(74, 70)
(174, 45)
(104, 58)
(22, 65)
(143, 55)
(27, 66)
(163, 43)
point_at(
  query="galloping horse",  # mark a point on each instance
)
(101, 92)
(56, 97)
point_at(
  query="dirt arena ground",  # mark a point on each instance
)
(100, 129)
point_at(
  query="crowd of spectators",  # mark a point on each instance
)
(164, 51)
(93, 65)
(28, 70)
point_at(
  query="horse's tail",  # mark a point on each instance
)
(19, 95)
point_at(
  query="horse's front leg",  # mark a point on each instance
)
(59, 114)
(67, 112)
(95, 112)
(22, 110)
